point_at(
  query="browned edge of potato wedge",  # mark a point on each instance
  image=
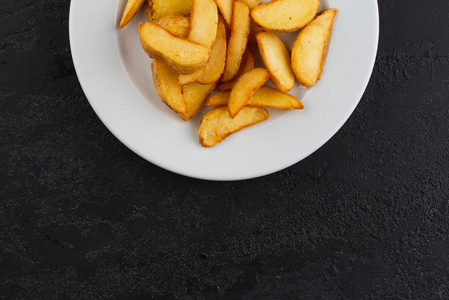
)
(310, 46)
(246, 65)
(176, 24)
(131, 9)
(276, 59)
(238, 40)
(225, 7)
(285, 15)
(266, 96)
(165, 81)
(245, 87)
(216, 124)
(203, 22)
(182, 55)
(158, 8)
(195, 95)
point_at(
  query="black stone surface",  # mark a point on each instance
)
(365, 217)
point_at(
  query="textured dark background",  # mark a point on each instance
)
(365, 217)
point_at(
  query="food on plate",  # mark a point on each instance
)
(131, 8)
(246, 65)
(165, 81)
(244, 88)
(182, 55)
(225, 7)
(252, 3)
(216, 124)
(195, 95)
(310, 46)
(276, 58)
(159, 8)
(216, 64)
(189, 78)
(266, 96)
(176, 24)
(203, 22)
(285, 15)
(238, 40)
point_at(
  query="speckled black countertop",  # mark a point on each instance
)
(365, 217)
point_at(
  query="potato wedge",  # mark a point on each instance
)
(216, 124)
(195, 95)
(216, 64)
(225, 7)
(189, 78)
(254, 30)
(159, 8)
(203, 22)
(182, 55)
(285, 15)
(310, 46)
(252, 4)
(276, 58)
(238, 40)
(266, 96)
(131, 8)
(165, 81)
(246, 65)
(176, 24)
(245, 87)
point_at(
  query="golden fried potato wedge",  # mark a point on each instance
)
(189, 78)
(285, 15)
(131, 8)
(216, 64)
(182, 55)
(245, 87)
(203, 22)
(165, 81)
(246, 65)
(238, 40)
(216, 124)
(159, 8)
(276, 58)
(225, 7)
(195, 95)
(176, 24)
(266, 96)
(252, 4)
(310, 46)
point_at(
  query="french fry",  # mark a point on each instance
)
(310, 46)
(216, 124)
(195, 95)
(238, 40)
(165, 81)
(277, 60)
(176, 24)
(225, 7)
(159, 8)
(131, 8)
(203, 22)
(182, 55)
(285, 15)
(245, 87)
(266, 96)
(246, 65)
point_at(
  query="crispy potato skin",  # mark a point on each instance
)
(182, 55)
(203, 22)
(167, 87)
(266, 96)
(310, 46)
(176, 24)
(246, 65)
(285, 15)
(245, 87)
(238, 40)
(158, 8)
(216, 124)
(131, 8)
(277, 60)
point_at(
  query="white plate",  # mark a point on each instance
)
(115, 75)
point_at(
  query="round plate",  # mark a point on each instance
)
(115, 75)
